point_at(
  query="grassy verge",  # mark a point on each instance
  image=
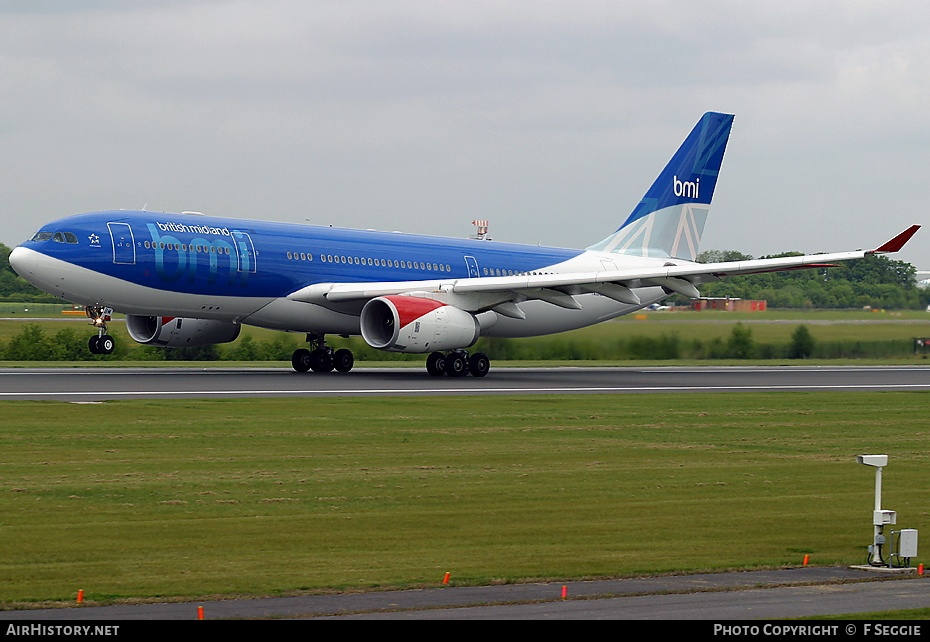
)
(908, 614)
(664, 338)
(142, 499)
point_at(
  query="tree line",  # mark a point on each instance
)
(32, 343)
(876, 281)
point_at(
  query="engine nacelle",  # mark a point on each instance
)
(175, 332)
(401, 323)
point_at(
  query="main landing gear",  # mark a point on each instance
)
(321, 358)
(458, 364)
(102, 343)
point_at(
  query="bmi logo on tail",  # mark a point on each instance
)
(687, 189)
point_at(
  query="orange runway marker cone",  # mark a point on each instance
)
(807, 558)
(199, 612)
(80, 596)
(920, 570)
(445, 579)
(564, 591)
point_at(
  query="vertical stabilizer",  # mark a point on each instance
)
(669, 220)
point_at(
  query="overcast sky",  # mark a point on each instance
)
(550, 119)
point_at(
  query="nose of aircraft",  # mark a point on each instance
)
(38, 269)
(22, 261)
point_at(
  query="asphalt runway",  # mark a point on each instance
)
(99, 384)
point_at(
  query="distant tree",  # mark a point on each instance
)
(30, 344)
(877, 269)
(802, 343)
(199, 353)
(246, 349)
(740, 344)
(722, 256)
(876, 281)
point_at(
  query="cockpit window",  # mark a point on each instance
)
(58, 237)
(61, 237)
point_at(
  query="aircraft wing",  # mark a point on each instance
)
(502, 293)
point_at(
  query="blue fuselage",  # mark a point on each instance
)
(192, 254)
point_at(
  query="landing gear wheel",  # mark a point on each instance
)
(301, 360)
(456, 364)
(105, 344)
(321, 360)
(479, 364)
(94, 345)
(436, 364)
(343, 360)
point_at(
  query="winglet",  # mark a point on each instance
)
(897, 242)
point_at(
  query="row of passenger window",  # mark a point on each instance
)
(412, 265)
(500, 272)
(355, 260)
(183, 247)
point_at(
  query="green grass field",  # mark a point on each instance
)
(851, 334)
(160, 499)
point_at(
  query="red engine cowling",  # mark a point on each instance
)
(401, 323)
(175, 332)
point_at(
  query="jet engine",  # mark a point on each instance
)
(404, 323)
(175, 332)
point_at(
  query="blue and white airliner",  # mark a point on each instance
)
(185, 280)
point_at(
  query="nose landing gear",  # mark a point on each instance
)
(102, 343)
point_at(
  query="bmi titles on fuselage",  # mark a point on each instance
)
(235, 244)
